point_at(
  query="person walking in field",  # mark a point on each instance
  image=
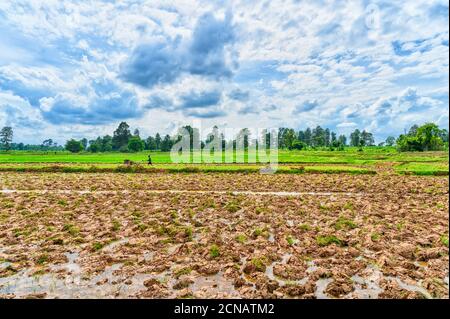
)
(149, 161)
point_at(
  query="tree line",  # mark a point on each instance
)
(6, 137)
(427, 137)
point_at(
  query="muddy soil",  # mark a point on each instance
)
(381, 183)
(338, 236)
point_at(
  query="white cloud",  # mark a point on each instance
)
(287, 52)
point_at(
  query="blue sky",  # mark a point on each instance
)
(76, 69)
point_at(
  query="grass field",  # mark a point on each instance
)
(349, 161)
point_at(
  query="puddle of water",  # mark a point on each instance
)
(367, 288)
(282, 282)
(413, 288)
(215, 285)
(104, 285)
(71, 266)
(109, 284)
(321, 286)
(4, 265)
(311, 267)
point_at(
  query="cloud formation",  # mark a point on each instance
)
(306, 106)
(83, 67)
(151, 64)
(165, 61)
(200, 100)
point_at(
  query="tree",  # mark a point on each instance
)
(286, 136)
(158, 141)
(84, 142)
(136, 133)
(95, 145)
(194, 136)
(333, 138)
(121, 136)
(444, 135)
(150, 143)
(426, 138)
(301, 136)
(327, 137)
(6, 136)
(297, 145)
(355, 138)
(429, 134)
(308, 136)
(47, 144)
(106, 142)
(390, 141)
(366, 139)
(242, 138)
(135, 144)
(74, 146)
(342, 139)
(413, 130)
(318, 136)
(166, 144)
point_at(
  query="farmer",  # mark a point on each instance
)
(149, 161)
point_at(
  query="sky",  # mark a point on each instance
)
(77, 69)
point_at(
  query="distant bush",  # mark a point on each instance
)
(124, 149)
(74, 146)
(135, 144)
(427, 137)
(297, 145)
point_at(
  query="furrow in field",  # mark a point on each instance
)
(156, 191)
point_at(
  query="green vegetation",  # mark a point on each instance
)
(241, 238)
(351, 155)
(444, 240)
(259, 263)
(6, 136)
(232, 206)
(375, 237)
(433, 168)
(304, 227)
(428, 137)
(74, 146)
(135, 144)
(42, 259)
(290, 240)
(351, 160)
(260, 232)
(188, 232)
(97, 246)
(115, 225)
(214, 251)
(344, 223)
(328, 240)
(71, 229)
